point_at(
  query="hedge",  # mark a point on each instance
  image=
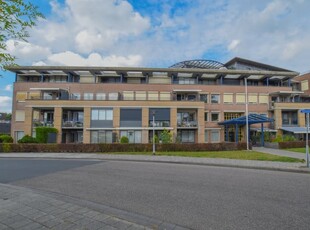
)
(42, 133)
(106, 148)
(292, 144)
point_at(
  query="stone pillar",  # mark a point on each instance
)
(277, 118)
(301, 119)
(28, 121)
(201, 125)
(116, 121)
(145, 124)
(174, 122)
(58, 122)
(86, 133)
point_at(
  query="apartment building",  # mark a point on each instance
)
(190, 98)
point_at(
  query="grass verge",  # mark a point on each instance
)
(297, 150)
(238, 155)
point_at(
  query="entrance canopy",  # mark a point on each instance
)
(252, 119)
(295, 130)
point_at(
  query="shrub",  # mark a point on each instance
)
(6, 147)
(42, 133)
(28, 139)
(124, 140)
(165, 137)
(278, 138)
(6, 139)
(289, 138)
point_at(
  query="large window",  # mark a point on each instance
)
(215, 136)
(100, 96)
(215, 98)
(186, 136)
(134, 136)
(289, 118)
(104, 136)
(102, 114)
(187, 119)
(88, 96)
(204, 98)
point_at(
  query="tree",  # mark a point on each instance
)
(166, 136)
(16, 16)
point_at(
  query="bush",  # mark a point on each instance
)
(28, 139)
(6, 139)
(124, 140)
(165, 137)
(6, 147)
(42, 133)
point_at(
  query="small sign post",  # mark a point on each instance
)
(307, 111)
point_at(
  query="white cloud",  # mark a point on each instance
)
(8, 88)
(112, 32)
(94, 59)
(6, 104)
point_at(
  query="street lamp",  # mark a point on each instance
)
(307, 111)
(153, 113)
(246, 113)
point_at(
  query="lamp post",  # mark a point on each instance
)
(307, 111)
(153, 113)
(246, 113)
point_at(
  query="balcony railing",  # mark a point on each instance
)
(43, 123)
(160, 124)
(72, 124)
(187, 124)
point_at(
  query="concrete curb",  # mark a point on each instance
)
(244, 164)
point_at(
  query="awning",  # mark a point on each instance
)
(296, 130)
(252, 119)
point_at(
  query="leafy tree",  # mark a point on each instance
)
(16, 16)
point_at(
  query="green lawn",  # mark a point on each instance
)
(239, 155)
(298, 150)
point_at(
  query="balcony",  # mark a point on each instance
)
(159, 124)
(43, 123)
(188, 124)
(72, 124)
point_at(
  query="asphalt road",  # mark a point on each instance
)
(198, 197)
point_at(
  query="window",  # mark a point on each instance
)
(206, 116)
(134, 136)
(240, 98)
(206, 136)
(104, 136)
(187, 81)
(102, 114)
(229, 116)
(76, 96)
(253, 98)
(204, 98)
(186, 136)
(19, 115)
(215, 136)
(113, 96)
(19, 135)
(88, 96)
(100, 96)
(263, 98)
(215, 98)
(228, 98)
(215, 116)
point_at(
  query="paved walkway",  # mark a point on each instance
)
(268, 165)
(280, 152)
(23, 208)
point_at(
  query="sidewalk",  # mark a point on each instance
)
(267, 165)
(23, 208)
(280, 152)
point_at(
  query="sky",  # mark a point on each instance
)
(159, 33)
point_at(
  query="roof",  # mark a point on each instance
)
(252, 119)
(297, 130)
(254, 63)
(199, 64)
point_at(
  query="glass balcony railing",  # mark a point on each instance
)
(37, 123)
(187, 124)
(159, 124)
(72, 124)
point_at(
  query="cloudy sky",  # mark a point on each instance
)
(159, 33)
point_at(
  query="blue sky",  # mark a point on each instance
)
(159, 33)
